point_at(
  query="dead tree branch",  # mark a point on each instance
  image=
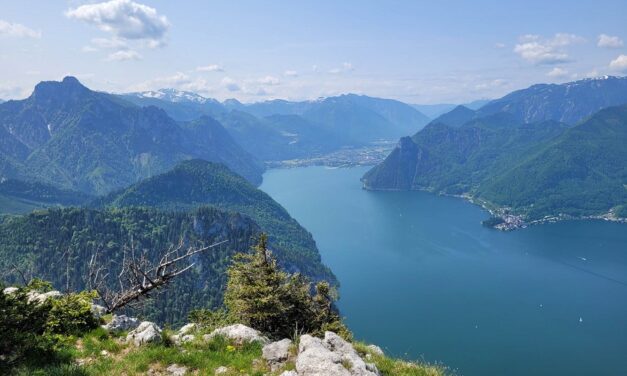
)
(139, 278)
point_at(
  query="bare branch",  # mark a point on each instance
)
(139, 277)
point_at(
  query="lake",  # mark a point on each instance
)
(422, 278)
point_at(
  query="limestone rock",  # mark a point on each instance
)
(238, 333)
(176, 370)
(34, 296)
(221, 370)
(375, 349)
(277, 353)
(332, 356)
(10, 290)
(183, 334)
(146, 332)
(186, 329)
(315, 359)
(349, 355)
(289, 373)
(121, 323)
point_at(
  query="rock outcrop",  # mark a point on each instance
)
(331, 356)
(34, 296)
(121, 323)
(238, 333)
(184, 334)
(146, 332)
(277, 353)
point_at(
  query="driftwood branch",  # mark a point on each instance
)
(139, 277)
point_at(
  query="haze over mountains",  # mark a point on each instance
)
(294, 129)
(66, 138)
(548, 150)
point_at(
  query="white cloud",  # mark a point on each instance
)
(210, 68)
(500, 45)
(538, 50)
(8, 29)
(124, 19)
(230, 84)
(269, 80)
(557, 72)
(346, 67)
(608, 41)
(109, 43)
(620, 63)
(290, 73)
(124, 55)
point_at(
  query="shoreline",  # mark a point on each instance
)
(508, 222)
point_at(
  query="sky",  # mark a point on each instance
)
(419, 52)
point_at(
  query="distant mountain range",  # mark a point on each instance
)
(72, 137)
(280, 129)
(435, 110)
(535, 152)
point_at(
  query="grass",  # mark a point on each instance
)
(100, 353)
(389, 366)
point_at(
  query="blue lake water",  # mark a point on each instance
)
(424, 280)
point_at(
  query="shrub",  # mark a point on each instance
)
(71, 314)
(23, 325)
(262, 296)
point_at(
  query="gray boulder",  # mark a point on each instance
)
(315, 359)
(238, 333)
(34, 296)
(183, 335)
(176, 370)
(332, 356)
(349, 355)
(289, 373)
(277, 353)
(146, 332)
(121, 323)
(10, 290)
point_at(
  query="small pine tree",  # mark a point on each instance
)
(255, 290)
(260, 295)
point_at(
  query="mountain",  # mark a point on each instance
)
(569, 103)
(580, 173)
(277, 137)
(69, 136)
(535, 169)
(434, 110)
(357, 118)
(18, 196)
(180, 105)
(457, 117)
(196, 183)
(280, 129)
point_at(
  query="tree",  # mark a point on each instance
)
(262, 296)
(255, 290)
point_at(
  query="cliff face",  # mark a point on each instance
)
(399, 168)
